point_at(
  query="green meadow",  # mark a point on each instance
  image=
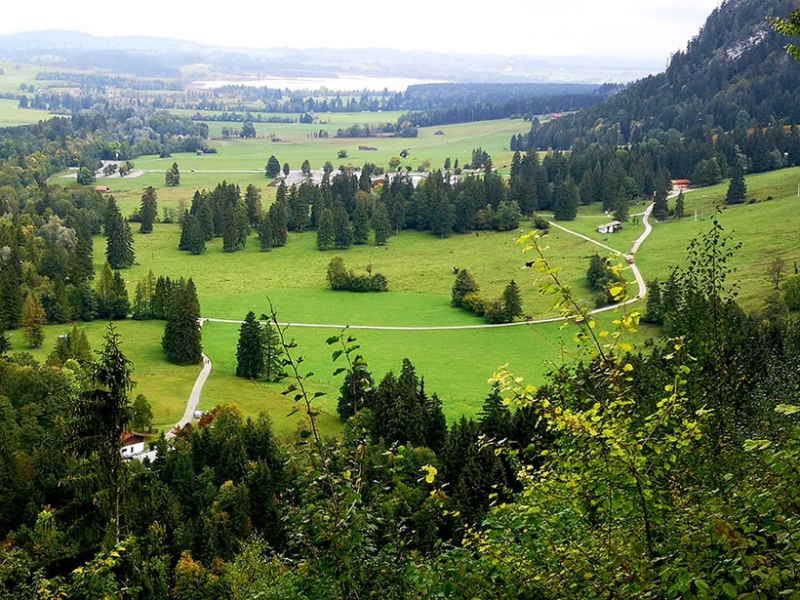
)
(766, 228)
(456, 364)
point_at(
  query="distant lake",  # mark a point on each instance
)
(346, 83)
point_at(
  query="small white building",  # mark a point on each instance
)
(612, 227)
(133, 443)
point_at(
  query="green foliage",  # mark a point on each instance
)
(119, 239)
(273, 167)
(791, 292)
(339, 278)
(86, 176)
(148, 210)
(172, 177)
(33, 320)
(463, 286)
(737, 188)
(249, 351)
(183, 332)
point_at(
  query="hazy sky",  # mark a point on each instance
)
(535, 27)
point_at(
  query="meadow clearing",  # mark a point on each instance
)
(456, 364)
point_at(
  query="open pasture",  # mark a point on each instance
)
(767, 229)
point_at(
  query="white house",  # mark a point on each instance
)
(612, 227)
(133, 443)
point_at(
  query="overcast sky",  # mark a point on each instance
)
(533, 27)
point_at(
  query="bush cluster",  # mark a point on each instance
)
(339, 278)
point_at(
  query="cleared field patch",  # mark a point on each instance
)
(766, 230)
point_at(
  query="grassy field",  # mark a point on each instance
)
(766, 229)
(455, 364)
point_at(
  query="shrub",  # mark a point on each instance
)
(474, 303)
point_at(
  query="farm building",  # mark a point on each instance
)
(132, 444)
(681, 184)
(612, 227)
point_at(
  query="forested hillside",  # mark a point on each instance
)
(735, 72)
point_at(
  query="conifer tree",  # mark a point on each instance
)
(148, 211)
(566, 198)
(680, 207)
(737, 188)
(273, 352)
(273, 167)
(252, 201)
(343, 232)
(11, 295)
(249, 350)
(361, 220)
(621, 207)
(74, 345)
(119, 239)
(100, 417)
(381, 224)
(326, 234)
(512, 302)
(33, 320)
(112, 295)
(182, 334)
(660, 206)
(464, 285)
(654, 310)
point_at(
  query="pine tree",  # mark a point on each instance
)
(119, 239)
(273, 167)
(182, 334)
(737, 188)
(566, 198)
(142, 308)
(660, 206)
(343, 232)
(74, 346)
(273, 352)
(252, 201)
(356, 392)
(148, 211)
(654, 311)
(172, 177)
(680, 208)
(361, 220)
(11, 295)
(33, 320)
(512, 302)
(326, 234)
(249, 350)
(464, 285)
(112, 295)
(381, 224)
(621, 206)
(99, 419)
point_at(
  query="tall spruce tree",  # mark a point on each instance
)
(182, 340)
(148, 211)
(737, 188)
(249, 349)
(512, 302)
(252, 200)
(326, 233)
(342, 231)
(119, 239)
(381, 224)
(99, 419)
